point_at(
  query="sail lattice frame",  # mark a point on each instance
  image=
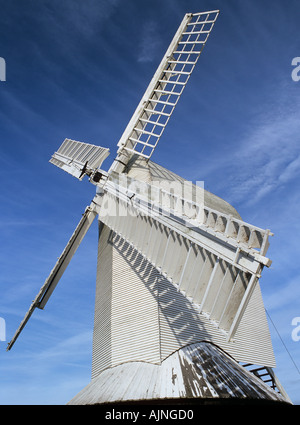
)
(163, 93)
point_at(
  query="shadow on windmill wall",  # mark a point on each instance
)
(179, 321)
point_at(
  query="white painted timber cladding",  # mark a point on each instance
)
(190, 264)
(145, 318)
(126, 310)
(103, 310)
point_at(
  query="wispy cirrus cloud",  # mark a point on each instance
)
(149, 42)
(266, 158)
(291, 171)
(286, 295)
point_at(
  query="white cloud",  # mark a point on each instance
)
(266, 158)
(289, 293)
(76, 343)
(75, 14)
(149, 43)
(291, 171)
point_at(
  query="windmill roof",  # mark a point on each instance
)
(155, 174)
(198, 371)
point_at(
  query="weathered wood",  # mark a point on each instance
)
(199, 371)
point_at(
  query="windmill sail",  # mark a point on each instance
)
(59, 268)
(160, 99)
(177, 275)
(77, 158)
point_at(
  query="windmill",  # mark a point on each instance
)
(178, 310)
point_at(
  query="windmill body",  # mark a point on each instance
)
(178, 309)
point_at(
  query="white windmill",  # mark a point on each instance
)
(178, 310)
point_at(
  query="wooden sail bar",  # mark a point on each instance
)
(160, 98)
(56, 273)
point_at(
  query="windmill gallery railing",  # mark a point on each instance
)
(192, 212)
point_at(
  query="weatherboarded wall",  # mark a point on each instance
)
(140, 315)
(126, 309)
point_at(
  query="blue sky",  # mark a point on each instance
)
(78, 69)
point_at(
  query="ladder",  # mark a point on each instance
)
(267, 375)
